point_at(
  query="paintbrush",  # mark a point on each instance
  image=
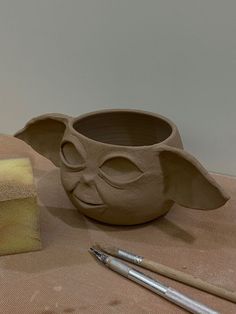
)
(169, 272)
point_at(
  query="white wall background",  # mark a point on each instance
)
(174, 57)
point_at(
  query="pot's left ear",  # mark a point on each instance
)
(44, 134)
(187, 182)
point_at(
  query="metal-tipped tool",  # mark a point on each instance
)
(102, 257)
(169, 272)
(157, 287)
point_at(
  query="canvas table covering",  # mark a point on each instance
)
(65, 278)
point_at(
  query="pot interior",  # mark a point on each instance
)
(124, 128)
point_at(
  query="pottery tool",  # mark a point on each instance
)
(157, 287)
(170, 273)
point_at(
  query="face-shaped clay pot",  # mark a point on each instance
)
(122, 166)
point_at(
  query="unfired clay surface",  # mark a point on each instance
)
(123, 166)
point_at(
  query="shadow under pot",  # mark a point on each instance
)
(123, 167)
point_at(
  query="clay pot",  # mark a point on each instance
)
(122, 166)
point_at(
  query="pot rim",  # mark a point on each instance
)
(173, 127)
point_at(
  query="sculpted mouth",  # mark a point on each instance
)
(87, 203)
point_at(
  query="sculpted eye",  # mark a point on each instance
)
(70, 156)
(120, 170)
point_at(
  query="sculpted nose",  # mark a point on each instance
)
(86, 190)
(87, 178)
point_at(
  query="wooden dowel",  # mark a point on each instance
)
(188, 279)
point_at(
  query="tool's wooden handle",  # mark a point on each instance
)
(189, 280)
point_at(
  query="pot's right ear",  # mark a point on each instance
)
(44, 134)
(187, 182)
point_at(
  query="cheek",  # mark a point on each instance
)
(69, 179)
(145, 192)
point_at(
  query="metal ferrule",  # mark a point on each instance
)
(129, 257)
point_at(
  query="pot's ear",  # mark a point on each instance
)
(44, 134)
(187, 182)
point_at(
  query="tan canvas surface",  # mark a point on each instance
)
(64, 278)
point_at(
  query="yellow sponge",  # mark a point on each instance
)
(19, 212)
